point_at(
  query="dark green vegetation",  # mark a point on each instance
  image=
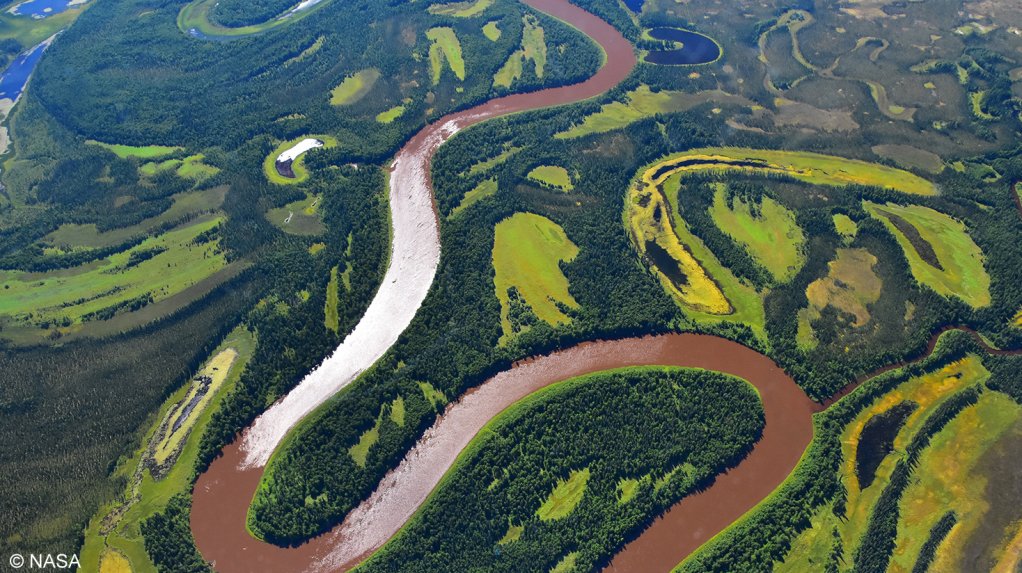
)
(125, 74)
(662, 432)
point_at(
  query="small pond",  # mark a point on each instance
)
(695, 48)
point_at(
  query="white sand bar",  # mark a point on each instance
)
(298, 149)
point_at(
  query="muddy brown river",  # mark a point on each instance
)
(223, 493)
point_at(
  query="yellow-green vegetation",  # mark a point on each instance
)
(626, 489)
(71, 236)
(397, 411)
(802, 165)
(137, 152)
(514, 533)
(851, 285)
(552, 176)
(767, 230)
(360, 451)
(533, 49)
(391, 114)
(491, 31)
(114, 562)
(316, 248)
(565, 497)
(298, 165)
(487, 164)
(1018, 318)
(181, 419)
(153, 270)
(845, 226)
(484, 189)
(976, 100)
(641, 103)
(330, 317)
(29, 31)
(190, 167)
(307, 52)
(927, 237)
(811, 550)
(648, 220)
(354, 87)
(194, 16)
(948, 478)
(567, 564)
(299, 217)
(115, 528)
(461, 9)
(528, 250)
(445, 47)
(436, 397)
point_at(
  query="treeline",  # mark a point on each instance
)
(68, 413)
(671, 430)
(162, 533)
(937, 534)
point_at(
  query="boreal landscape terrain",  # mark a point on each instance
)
(511, 285)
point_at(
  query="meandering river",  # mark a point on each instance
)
(223, 493)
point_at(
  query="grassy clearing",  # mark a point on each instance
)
(445, 47)
(190, 167)
(567, 564)
(298, 165)
(307, 52)
(845, 226)
(767, 231)
(641, 103)
(487, 164)
(565, 497)
(391, 114)
(71, 236)
(626, 490)
(802, 165)
(851, 285)
(533, 49)
(484, 189)
(360, 451)
(810, 551)
(436, 398)
(330, 316)
(158, 267)
(146, 495)
(461, 9)
(397, 411)
(527, 253)
(299, 217)
(183, 417)
(316, 248)
(962, 273)
(552, 176)
(354, 87)
(491, 31)
(514, 533)
(137, 152)
(114, 562)
(948, 478)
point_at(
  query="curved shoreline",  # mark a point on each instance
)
(414, 258)
(218, 511)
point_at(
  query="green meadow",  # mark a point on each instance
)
(533, 49)
(963, 274)
(484, 189)
(461, 9)
(354, 87)
(137, 152)
(527, 252)
(767, 231)
(445, 47)
(552, 176)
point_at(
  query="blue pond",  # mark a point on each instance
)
(41, 8)
(696, 48)
(635, 5)
(14, 78)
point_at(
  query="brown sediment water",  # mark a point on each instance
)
(223, 494)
